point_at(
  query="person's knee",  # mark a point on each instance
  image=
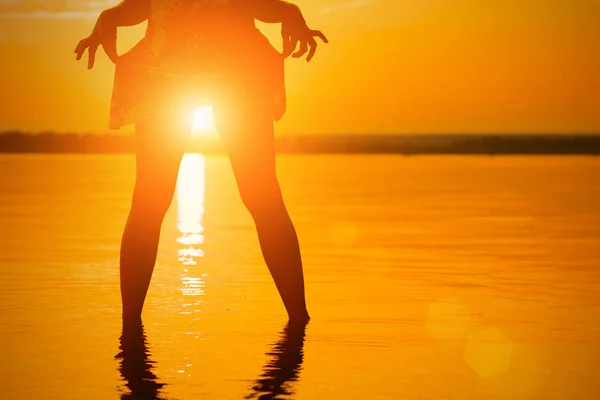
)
(262, 199)
(152, 205)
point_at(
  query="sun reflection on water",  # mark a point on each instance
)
(190, 212)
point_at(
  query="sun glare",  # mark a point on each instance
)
(203, 121)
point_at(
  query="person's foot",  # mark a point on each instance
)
(299, 318)
(132, 323)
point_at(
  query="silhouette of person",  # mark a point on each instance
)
(135, 365)
(203, 51)
(284, 366)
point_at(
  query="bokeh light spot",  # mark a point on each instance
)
(489, 352)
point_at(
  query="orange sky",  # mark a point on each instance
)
(392, 67)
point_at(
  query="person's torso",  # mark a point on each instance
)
(194, 30)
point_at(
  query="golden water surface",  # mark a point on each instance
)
(427, 278)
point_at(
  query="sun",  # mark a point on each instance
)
(203, 121)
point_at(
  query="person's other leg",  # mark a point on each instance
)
(247, 133)
(159, 149)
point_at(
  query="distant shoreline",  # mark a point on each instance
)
(488, 144)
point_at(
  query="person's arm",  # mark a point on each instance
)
(272, 11)
(127, 13)
(294, 31)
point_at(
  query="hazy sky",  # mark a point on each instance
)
(392, 66)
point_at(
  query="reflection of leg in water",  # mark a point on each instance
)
(159, 149)
(247, 132)
(135, 366)
(284, 365)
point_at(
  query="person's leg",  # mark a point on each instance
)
(247, 133)
(159, 149)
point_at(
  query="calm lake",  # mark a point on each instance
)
(427, 278)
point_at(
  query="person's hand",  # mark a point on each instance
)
(105, 35)
(296, 34)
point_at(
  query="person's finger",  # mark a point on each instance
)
(110, 48)
(78, 46)
(81, 49)
(312, 43)
(285, 38)
(302, 50)
(288, 46)
(320, 35)
(92, 55)
(295, 42)
(81, 52)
